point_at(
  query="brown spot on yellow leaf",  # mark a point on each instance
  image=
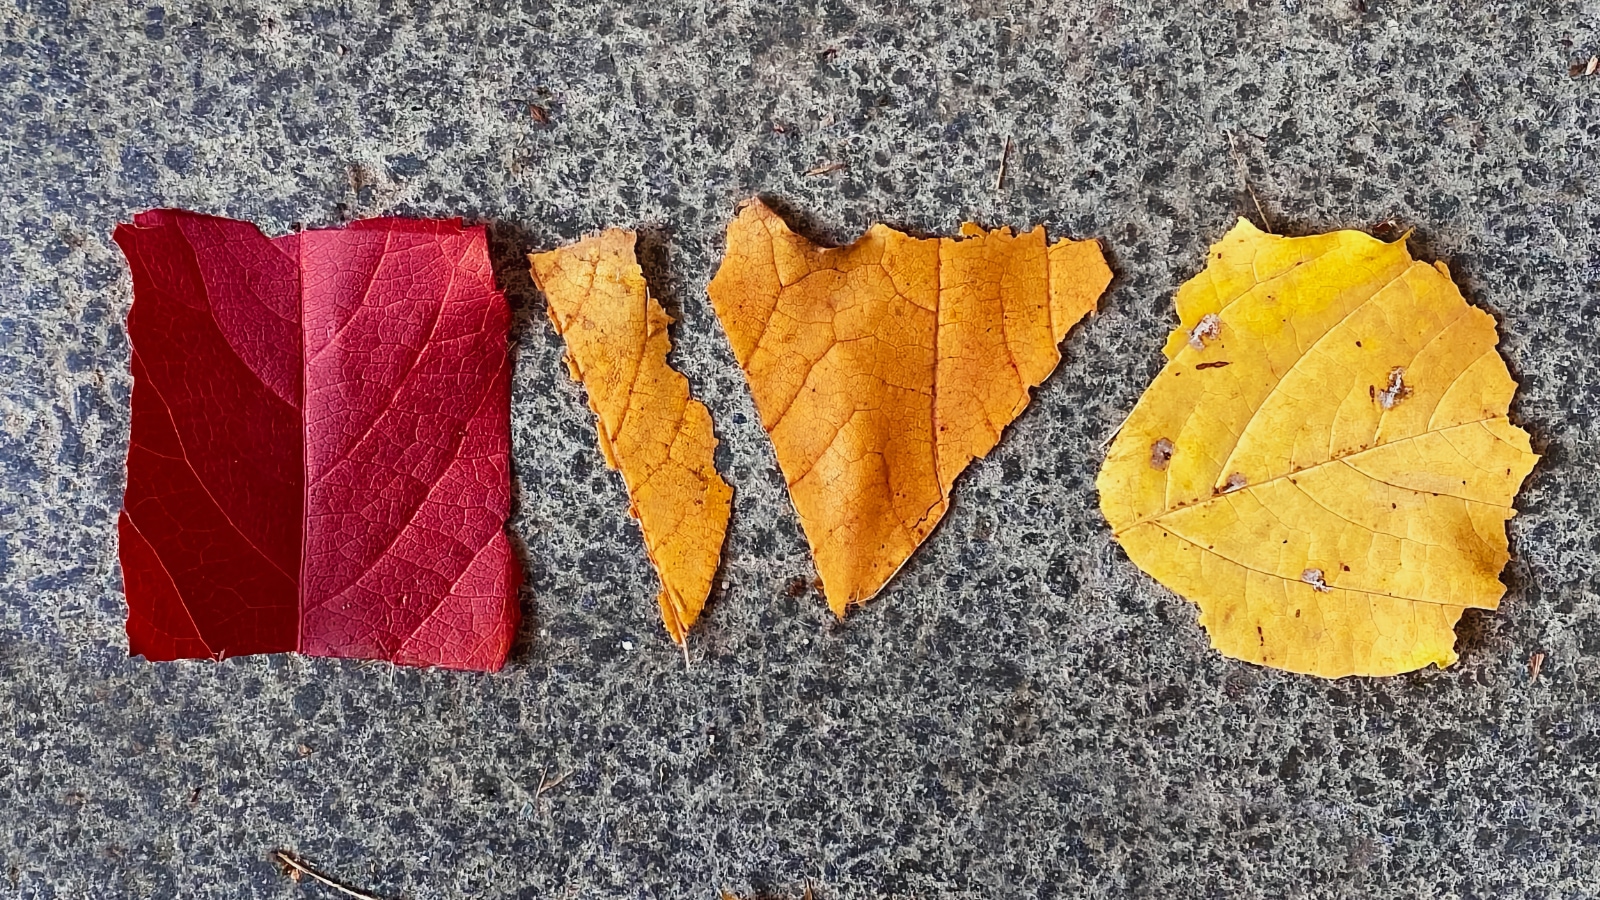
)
(1397, 390)
(883, 368)
(1405, 501)
(649, 428)
(1160, 454)
(1209, 328)
(1314, 578)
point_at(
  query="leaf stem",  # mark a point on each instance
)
(289, 862)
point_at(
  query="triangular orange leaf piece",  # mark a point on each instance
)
(649, 428)
(1325, 465)
(883, 368)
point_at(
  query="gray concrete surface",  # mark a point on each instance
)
(1022, 713)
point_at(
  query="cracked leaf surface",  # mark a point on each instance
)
(1321, 526)
(883, 368)
(649, 428)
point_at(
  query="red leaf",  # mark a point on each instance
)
(319, 458)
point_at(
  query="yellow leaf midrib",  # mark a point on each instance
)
(1317, 342)
(1157, 517)
(1280, 577)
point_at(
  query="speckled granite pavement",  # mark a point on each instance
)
(1022, 713)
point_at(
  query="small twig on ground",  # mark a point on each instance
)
(1005, 157)
(1535, 663)
(1244, 176)
(826, 168)
(294, 868)
(550, 786)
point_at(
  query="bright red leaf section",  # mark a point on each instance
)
(320, 448)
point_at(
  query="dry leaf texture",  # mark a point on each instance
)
(1336, 463)
(649, 428)
(883, 368)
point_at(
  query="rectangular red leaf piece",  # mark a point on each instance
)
(320, 449)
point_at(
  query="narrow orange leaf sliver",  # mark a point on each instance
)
(649, 428)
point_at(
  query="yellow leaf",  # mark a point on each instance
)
(1325, 465)
(649, 428)
(883, 368)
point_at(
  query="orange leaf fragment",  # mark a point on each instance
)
(649, 428)
(883, 368)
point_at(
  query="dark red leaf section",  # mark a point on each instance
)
(320, 446)
(211, 524)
